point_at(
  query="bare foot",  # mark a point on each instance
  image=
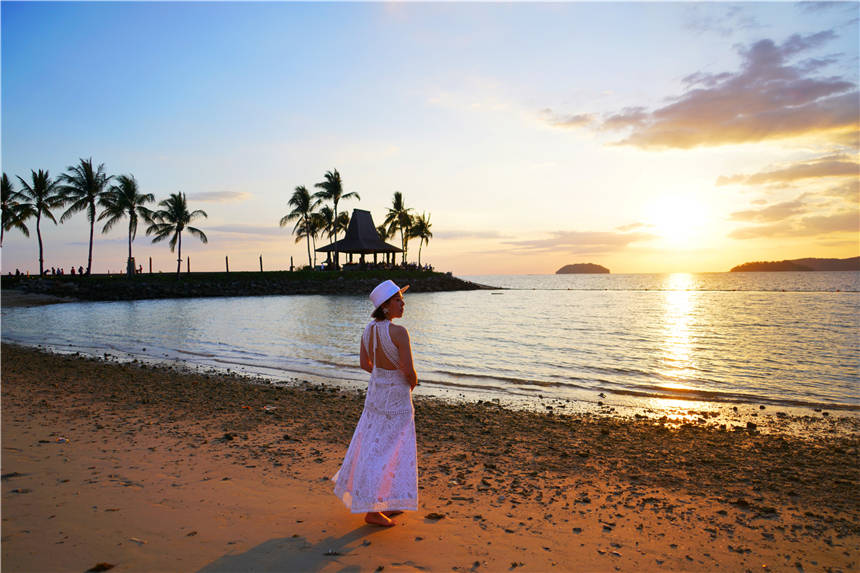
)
(376, 518)
(392, 513)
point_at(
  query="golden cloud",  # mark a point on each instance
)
(838, 166)
(768, 98)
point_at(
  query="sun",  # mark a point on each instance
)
(677, 219)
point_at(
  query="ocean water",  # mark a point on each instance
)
(784, 339)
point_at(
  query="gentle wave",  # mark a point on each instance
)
(705, 344)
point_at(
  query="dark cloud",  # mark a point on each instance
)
(834, 166)
(578, 242)
(219, 196)
(768, 98)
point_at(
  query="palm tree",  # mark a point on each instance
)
(332, 190)
(326, 222)
(341, 223)
(171, 221)
(42, 196)
(303, 207)
(399, 218)
(11, 210)
(383, 232)
(125, 199)
(82, 187)
(421, 230)
(316, 225)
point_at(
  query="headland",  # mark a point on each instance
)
(216, 284)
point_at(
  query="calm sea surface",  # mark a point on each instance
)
(786, 339)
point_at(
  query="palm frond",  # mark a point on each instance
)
(199, 234)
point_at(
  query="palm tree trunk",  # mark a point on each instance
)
(92, 226)
(179, 255)
(336, 252)
(129, 239)
(315, 251)
(308, 237)
(2, 231)
(419, 254)
(39, 235)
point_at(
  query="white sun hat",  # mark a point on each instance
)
(384, 291)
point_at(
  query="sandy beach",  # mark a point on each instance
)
(141, 468)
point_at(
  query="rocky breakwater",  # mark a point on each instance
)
(120, 287)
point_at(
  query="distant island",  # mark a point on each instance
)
(582, 268)
(810, 264)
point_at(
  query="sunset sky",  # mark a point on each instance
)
(646, 137)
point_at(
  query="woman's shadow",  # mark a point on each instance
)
(294, 554)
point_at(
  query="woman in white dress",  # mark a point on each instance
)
(379, 475)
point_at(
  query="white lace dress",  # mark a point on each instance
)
(379, 471)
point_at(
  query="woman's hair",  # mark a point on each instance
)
(379, 313)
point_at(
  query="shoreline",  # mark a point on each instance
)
(760, 414)
(226, 475)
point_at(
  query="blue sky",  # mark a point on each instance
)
(660, 137)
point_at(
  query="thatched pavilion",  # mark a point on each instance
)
(362, 239)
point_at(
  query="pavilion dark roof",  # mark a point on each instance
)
(361, 237)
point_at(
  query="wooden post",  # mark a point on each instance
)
(227, 262)
(261, 263)
(188, 265)
(150, 265)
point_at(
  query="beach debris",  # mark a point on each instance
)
(137, 540)
(380, 568)
(331, 553)
(366, 542)
(99, 567)
(191, 534)
(269, 409)
(434, 516)
(21, 490)
(61, 440)
(11, 475)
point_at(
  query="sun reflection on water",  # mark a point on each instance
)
(681, 411)
(677, 362)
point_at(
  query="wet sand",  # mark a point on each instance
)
(152, 469)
